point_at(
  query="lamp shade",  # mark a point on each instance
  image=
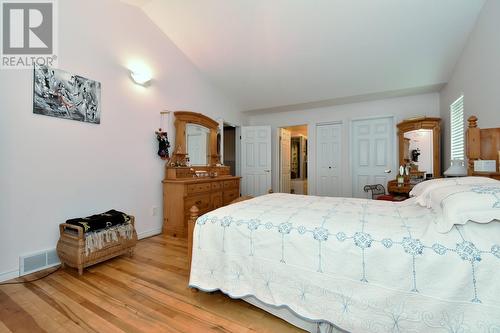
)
(457, 169)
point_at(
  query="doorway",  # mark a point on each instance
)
(229, 147)
(293, 159)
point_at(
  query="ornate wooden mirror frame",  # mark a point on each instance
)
(182, 118)
(422, 123)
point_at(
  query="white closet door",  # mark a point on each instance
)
(255, 160)
(285, 167)
(372, 153)
(328, 152)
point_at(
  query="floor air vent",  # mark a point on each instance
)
(37, 261)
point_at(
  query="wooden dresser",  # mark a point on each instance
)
(206, 193)
(207, 186)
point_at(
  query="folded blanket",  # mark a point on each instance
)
(96, 240)
(100, 221)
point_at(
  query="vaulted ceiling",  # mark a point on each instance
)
(271, 53)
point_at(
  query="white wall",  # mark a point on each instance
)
(477, 76)
(401, 108)
(52, 169)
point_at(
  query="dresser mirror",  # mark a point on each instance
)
(419, 147)
(196, 138)
(419, 150)
(197, 144)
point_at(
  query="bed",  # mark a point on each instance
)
(359, 265)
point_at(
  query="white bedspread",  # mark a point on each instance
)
(363, 265)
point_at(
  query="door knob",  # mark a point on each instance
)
(267, 170)
(388, 171)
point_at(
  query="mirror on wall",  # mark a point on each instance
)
(419, 147)
(197, 144)
(196, 139)
(419, 150)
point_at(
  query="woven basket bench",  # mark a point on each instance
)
(71, 247)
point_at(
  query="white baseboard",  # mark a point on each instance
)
(4, 276)
(149, 233)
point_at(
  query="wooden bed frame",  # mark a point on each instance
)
(482, 144)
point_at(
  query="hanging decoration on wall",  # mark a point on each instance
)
(162, 136)
(60, 94)
(163, 144)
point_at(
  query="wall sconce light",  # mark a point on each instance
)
(140, 73)
(141, 78)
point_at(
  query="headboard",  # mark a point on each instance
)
(482, 144)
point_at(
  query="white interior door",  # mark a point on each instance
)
(255, 160)
(285, 168)
(328, 152)
(372, 153)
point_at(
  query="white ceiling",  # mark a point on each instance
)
(273, 53)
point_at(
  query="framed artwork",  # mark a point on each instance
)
(57, 93)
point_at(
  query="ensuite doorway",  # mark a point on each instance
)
(293, 159)
(230, 147)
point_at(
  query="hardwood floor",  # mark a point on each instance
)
(145, 293)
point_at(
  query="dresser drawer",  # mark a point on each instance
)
(231, 183)
(198, 188)
(216, 186)
(200, 201)
(216, 199)
(230, 195)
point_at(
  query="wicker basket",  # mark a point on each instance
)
(71, 247)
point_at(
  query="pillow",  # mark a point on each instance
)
(457, 204)
(423, 189)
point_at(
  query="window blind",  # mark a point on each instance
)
(457, 129)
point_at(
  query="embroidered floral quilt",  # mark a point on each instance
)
(362, 265)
